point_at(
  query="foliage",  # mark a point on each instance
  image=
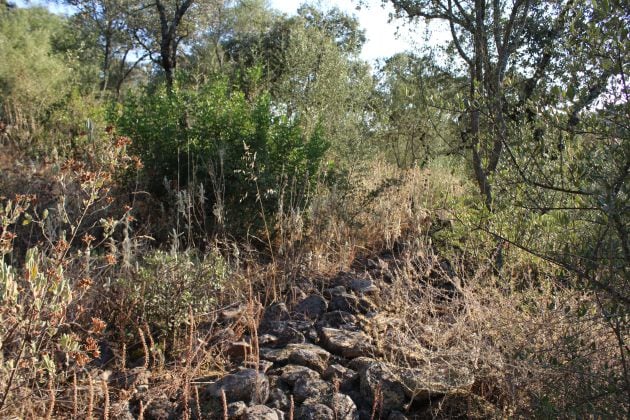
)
(42, 76)
(49, 327)
(170, 285)
(326, 88)
(240, 151)
(414, 120)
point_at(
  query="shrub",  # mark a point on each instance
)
(49, 320)
(215, 137)
(168, 285)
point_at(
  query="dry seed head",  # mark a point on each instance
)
(98, 325)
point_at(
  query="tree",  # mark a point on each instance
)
(36, 74)
(162, 27)
(325, 88)
(104, 24)
(490, 37)
(238, 25)
(414, 122)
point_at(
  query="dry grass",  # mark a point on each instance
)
(533, 347)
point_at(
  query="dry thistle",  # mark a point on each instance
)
(75, 395)
(224, 405)
(90, 407)
(51, 396)
(197, 403)
(145, 349)
(291, 408)
(106, 402)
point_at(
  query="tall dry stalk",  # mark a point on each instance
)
(51, 397)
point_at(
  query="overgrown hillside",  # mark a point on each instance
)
(209, 209)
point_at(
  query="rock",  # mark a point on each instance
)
(121, 411)
(287, 332)
(315, 411)
(344, 302)
(261, 412)
(262, 365)
(338, 319)
(363, 286)
(246, 385)
(275, 313)
(315, 358)
(236, 409)
(278, 357)
(279, 399)
(334, 291)
(378, 381)
(161, 409)
(313, 306)
(291, 373)
(311, 388)
(349, 344)
(343, 407)
(344, 377)
(282, 356)
(361, 363)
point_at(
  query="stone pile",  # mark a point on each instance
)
(316, 361)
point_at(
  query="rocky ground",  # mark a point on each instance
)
(321, 359)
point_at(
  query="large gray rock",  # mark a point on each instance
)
(286, 332)
(279, 399)
(363, 286)
(312, 389)
(343, 407)
(298, 353)
(246, 385)
(343, 378)
(313, 357)
(334, 291)
(291, 373)
(314, 411)
(262, 412)
(345, 302)
(312, 307)
(378, 381)
(338, 319)
(349, 344)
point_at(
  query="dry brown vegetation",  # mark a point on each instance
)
(94, 320)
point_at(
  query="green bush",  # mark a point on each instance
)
(168, 285)
(242, 151)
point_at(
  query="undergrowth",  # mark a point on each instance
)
(90, 299)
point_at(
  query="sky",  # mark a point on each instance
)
(382, 40)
